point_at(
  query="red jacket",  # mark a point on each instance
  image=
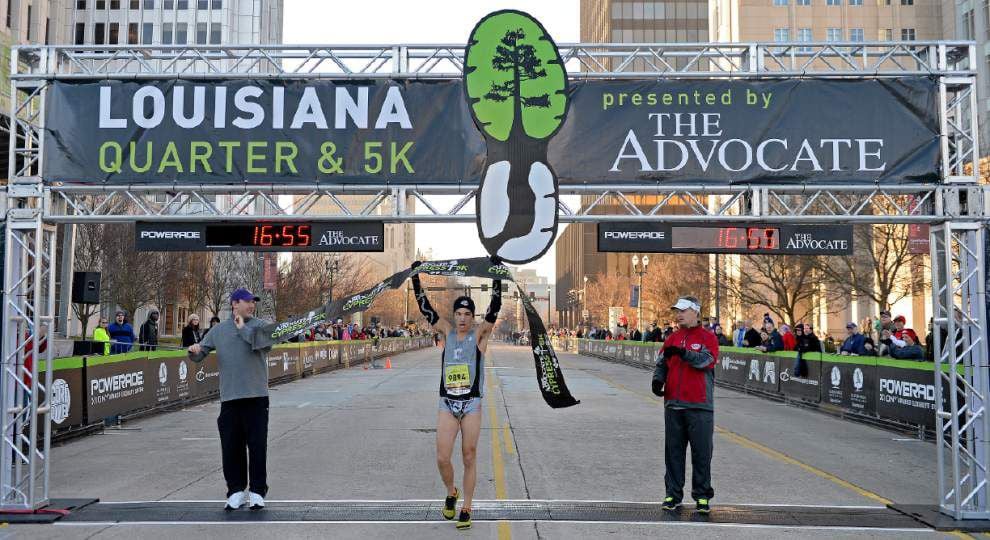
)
(689, 381)
(790, 342)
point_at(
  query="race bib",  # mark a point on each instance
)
(457, 379)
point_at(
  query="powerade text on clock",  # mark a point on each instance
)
(754, 239)
(261, 235)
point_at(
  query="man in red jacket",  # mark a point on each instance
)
(685, 377)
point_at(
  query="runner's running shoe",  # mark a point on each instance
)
(257, 501)
(449, 503)
(702, 506)
(235, 501)
(669, 503)
(464, 520)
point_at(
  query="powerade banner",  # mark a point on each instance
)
(548, 373)
(406, 132)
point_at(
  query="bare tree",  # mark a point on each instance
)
(882, 268)
(89, 256)
(127, 280)
(219, 281)
(785, 286)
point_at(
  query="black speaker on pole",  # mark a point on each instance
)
(86, 287)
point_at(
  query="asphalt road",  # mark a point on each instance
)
(368, 435)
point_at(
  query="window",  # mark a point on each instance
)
(29, 25)
(781, 34)
(99, 33)
(201, 33)
(833, 2)
(80, 4)
(166, 33)
(780, 2)
(132, 33)
(968, 25)
(833, 34)
(804, 34)
(48, 23)
(114, 34)
(855, 2)
(114, 4)
(803, 2)
(217, 4)
(181, 30)
(135, 4)
(856, 34)
(907, 2)
(168, 4)
(203, 4)
(147, 33)
(149, 4)
(907, 34)
(214, 33)
(80, 33)
(101, 4)
(181, 4)
(885, 34)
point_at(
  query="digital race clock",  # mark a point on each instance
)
(655, 237)
(261, 236)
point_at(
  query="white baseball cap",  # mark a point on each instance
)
(687, 302)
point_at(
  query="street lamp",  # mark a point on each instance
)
(584, 300)
(640, 271)
(548, 304)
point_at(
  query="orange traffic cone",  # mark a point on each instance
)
(388, 363)
(366, 366)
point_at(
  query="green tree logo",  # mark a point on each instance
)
(516, 87)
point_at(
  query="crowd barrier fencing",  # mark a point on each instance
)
(89, 389)
(873, 388)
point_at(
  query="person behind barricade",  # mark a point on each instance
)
(243, 420)
(773, 342)
(884, 323)
(789, 339)
(752, 337)
(462, 384)
(636, 335)
(739, 333)
(853, 344)
(101, 335)
(886, 345)
(723, 340)
(121, 334)
(897, 336)
(910, 351)
(214, 320)
(685, 378)
(191, 333)
(148, 337)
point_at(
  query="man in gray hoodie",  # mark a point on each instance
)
(243, 420)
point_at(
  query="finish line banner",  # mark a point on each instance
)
(548, 374)
(408, 132)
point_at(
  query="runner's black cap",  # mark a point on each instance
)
(464, 302)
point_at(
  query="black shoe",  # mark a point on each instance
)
(448, 505)
(670, 503)
(701, 506)
(464, 520)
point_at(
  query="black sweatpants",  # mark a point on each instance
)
(682, 427)
(243, 425)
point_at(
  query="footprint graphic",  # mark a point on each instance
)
(516, 87)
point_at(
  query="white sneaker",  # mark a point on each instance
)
(236, 501)
(257, 501)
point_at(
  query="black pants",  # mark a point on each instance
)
(697, 428)
(243, 425)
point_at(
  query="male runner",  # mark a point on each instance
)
(461, 387)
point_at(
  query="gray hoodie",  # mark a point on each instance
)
(243, 370)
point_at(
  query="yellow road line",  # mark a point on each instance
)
(510, 445)
(498, 464)
(767, 451)
(960, 534)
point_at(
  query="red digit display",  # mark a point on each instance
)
(728, 239)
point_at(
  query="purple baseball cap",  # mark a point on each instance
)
(243, 294)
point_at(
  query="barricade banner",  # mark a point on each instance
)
(807, 387)
(732, 368)
(172, 380)
(206, 376)
(67, 397)
(908, 394)
(761, 372)
(283, 361)
(851, 386)
(118, 387)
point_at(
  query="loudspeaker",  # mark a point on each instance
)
(86, 287)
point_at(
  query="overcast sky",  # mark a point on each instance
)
(424, 21)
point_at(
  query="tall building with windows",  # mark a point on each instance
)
(970, 20)
(173, 22)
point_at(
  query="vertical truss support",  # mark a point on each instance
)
(28, 309)
(962, 375)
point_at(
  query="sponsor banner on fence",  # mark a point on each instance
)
(206, 375)
(283, 362)
(806, 387)
(732, 368)
(67, 398)
(173, 379)
(645, 131)
(762, 372)
(850, 386)
(119, 387)
(907, 394)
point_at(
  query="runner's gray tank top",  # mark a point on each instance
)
(463, 373)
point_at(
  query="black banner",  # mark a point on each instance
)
(807, 386)
(407, 132)
(292, 235)
(756, 239)
(907, 394)
(850, 386)
(119, 387)
(548, 373)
